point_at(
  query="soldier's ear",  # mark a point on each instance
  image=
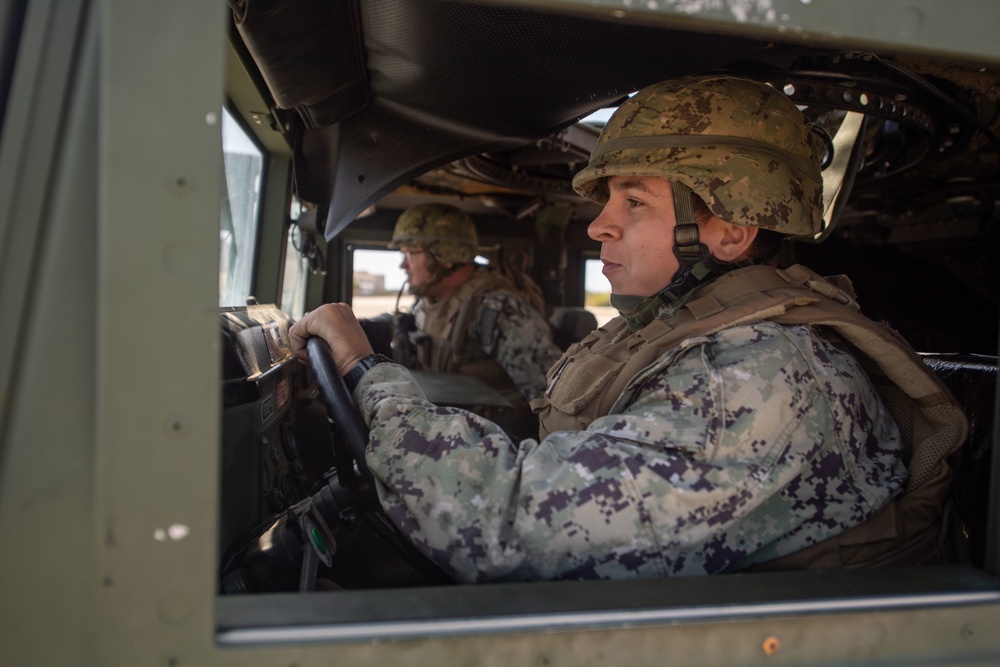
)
(727, 242)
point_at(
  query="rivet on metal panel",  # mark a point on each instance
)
(175, 424)
(771, 645)
(180, 182)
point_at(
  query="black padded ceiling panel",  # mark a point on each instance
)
(450, 79)
(309, 52)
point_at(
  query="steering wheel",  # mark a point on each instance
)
(306, 535)
(352, 471)
(351, 434)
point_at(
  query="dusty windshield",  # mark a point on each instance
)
(241, 193)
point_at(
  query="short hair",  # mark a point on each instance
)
(764, 247)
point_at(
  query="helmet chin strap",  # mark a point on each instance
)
(438, 273)
(696, 266)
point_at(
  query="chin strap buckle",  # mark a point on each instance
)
(687, 244)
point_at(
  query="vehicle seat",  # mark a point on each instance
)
(972, 378)
(379, 330)
(571, 324)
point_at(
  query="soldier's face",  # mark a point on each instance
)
(636, 231)
(415, 265)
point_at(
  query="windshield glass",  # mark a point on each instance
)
(243, 165)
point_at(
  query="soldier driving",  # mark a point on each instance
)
(728, 419)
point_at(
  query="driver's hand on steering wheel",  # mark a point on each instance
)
(336, 324)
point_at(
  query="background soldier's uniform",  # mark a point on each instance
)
(486, 330)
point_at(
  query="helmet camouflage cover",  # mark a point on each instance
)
(741, 145)
(444, 231)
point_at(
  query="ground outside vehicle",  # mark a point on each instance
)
(117, 494)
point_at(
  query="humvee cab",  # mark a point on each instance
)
(148, 414)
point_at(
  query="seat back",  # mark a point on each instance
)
(379, 330)
(972, 378)
(571, 324)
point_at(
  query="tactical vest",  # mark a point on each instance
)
(595, 378)
(441, 343)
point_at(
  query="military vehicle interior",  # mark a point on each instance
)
(376, 106)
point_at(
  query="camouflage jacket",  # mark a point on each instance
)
(486, 319)
(691, 476)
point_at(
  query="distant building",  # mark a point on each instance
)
(366, 284)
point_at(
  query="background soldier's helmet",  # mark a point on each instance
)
(444, 231)
(741, 145)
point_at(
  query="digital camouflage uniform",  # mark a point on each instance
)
(692, 477)
(735, 445)
(498, 325)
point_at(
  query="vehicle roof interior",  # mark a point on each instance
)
(374, 94)
(395, 100)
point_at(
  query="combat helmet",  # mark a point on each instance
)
(446, 232)
(741, 145)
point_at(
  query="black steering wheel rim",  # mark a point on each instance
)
(351, 434)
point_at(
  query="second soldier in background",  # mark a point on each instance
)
(476, 320)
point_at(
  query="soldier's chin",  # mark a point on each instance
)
(626, 304)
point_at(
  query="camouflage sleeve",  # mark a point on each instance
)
(757, 440)
(521, 341)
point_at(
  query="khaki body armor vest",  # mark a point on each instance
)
(595, 378)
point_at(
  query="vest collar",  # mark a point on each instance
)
(666, 303)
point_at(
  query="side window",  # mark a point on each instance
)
(295, 278)
(296, 275)
(597, 292)
(376, 282)
(243, 163)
